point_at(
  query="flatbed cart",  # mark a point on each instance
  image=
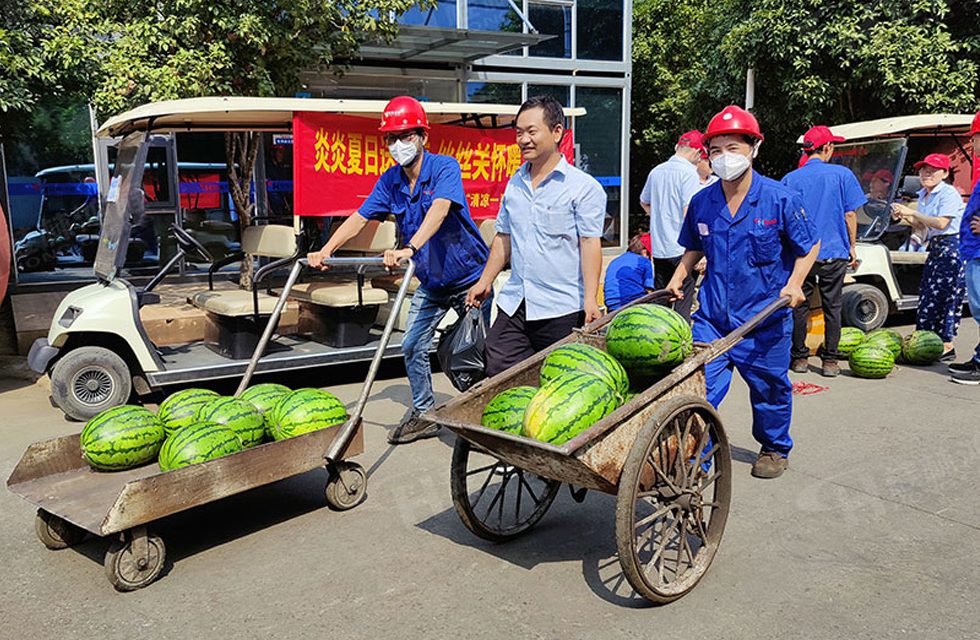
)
(73, 499)
(670, 509)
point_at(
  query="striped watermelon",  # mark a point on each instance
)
(567, 406)
(871, 360)
(630, 395)
(888, 338)
(121, 438)
(506, 411)
(587, 359)
(649, 339)
(237, 414)
(922, 347)
(305, 410)
(850, 338)
(265, 396)
(179, 409)
(198, 443)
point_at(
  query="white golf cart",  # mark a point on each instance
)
(97, 352)
(881, 154)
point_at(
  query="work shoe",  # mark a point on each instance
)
(969, 366)
(769, 464)
(830, 369)
(949, 356)
(965, 372)
(412, 428)
(800, 365)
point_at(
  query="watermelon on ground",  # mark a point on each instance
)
(265, 396)
(567, 406)
(121, 438)
(850, 338)
(871, 360)
(649, 339)
(888, 338)
(198, 443)
(179, 409)
(243, 418)
(922, 347)
(506, 411)
(305, 410)
(587, 359)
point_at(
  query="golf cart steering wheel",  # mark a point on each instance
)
(189, 244)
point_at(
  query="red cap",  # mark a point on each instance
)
(937, 160)
(692, 139)
(402, 114)
(733, 119)
(645, 239)
(818, 136)
(802, 161)
(975, 127)
(884, 175)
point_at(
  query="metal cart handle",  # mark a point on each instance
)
(599, 323)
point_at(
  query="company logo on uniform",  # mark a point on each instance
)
(760, 222)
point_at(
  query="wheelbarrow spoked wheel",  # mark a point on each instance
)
(126, 569)
(346, 485)
(495, 500)
(673, 499)
(56, 532)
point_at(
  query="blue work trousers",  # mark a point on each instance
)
(762, 359)
(973, 294)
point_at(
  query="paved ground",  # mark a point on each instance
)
(873, 533)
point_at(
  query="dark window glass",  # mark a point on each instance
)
(443, 15)
(493, 15)
(559, 93)
(599, 137)
(552, 20)
(600, 30)
(495, 92)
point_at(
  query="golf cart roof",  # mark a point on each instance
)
(276, 114)
(919, 125)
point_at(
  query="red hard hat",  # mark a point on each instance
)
(731, 120)
(975, 128)
(402, 114)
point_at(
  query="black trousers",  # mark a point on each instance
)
(663, 271)
(514, 338)
(829, 276)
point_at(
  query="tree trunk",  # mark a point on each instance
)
(241, 149)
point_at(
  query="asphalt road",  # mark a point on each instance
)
(874, 532)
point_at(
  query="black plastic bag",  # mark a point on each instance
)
(461, 350)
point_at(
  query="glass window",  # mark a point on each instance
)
(493, 15)
(599, 138)
(600, 30)
(443, 15)
(558, 92)
(552, 20)
(495, 92)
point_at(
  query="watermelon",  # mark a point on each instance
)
(567, 406)
(237, 414)
(305, 410)
(506, 411)
(922, 347)
(649, 339)
(265, 396)
(871, 360)
(121, 438)
(587, 359)
(850, 338)
(629, 396)
(198, 443)
(179, 409)
(888, 338)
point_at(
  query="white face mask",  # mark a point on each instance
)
(729, 166)
(403, 151)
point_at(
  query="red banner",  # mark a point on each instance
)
(338, 158)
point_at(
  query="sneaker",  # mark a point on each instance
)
(949, 356)
(412, 428)
(965, 372)
(964, 367)
(769, 464)
(830, 369)
(799, 365)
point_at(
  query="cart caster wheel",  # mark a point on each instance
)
(673, 499)
(55, 532)
(497, 501)
(127, 567)
(346, 486)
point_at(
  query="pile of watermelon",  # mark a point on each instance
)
(197, 425)
(874, 355)
(581, 384)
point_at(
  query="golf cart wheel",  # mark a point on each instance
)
(56, 532)
(863, 306)
(497, 501)
(89, 380)
(346, 485)
(124, 566)
(673, 499)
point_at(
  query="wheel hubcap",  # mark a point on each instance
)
(92, 386)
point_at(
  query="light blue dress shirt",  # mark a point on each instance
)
(545, 225)
(668, 189)
(944, 201)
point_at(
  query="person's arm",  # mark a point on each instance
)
(852, 229)
(350, 228)
(499, 257)
(683, 270)
(802, 266)
(433, 219)
(646, 206)
(591, 252)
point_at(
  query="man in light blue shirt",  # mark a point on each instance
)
(550, 230)
(665, 197)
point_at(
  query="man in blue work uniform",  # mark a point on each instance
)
(630, 276)
(969, 372)
(424, 191)
(831, 194)
(760, 245)
(550, 230)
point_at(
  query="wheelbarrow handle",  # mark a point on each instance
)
(721, 345)
(599, 323)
